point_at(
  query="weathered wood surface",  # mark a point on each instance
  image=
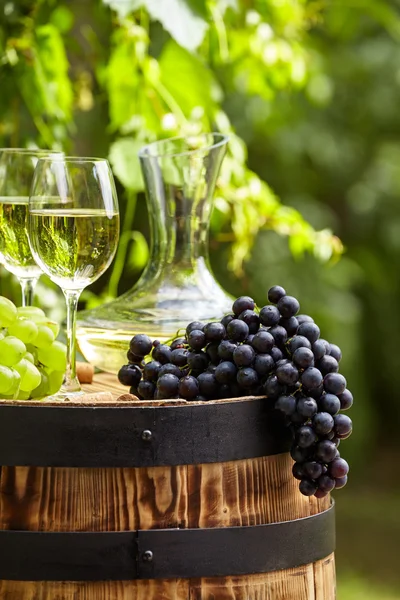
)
(247, 492)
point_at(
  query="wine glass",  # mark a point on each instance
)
(73, 231)
(17, 166)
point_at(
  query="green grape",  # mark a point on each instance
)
(54, 326)
(42, 389)
(33, 313)
(29, 356)
(11, 351)
(24, 329)
(21, 367)
(16, 383)
(6, 380)
(56, 379)
(23, 395)
(31, 378)
(45, 337)
(54, 357)
(8, 312)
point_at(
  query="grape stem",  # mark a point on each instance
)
(28, 285)
(71, 383)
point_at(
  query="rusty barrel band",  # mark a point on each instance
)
(129, 436)
(166, 553)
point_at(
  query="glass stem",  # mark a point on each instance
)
(71, 383)
(28, 290)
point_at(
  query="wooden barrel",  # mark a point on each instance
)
(123, 500)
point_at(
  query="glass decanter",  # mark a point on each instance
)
(177, 285)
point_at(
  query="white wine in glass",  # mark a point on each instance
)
(17, 166)
(73, 233)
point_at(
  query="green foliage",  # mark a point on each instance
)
(168, 68)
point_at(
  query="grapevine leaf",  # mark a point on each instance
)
(184, 21)
(124, 160)
(178, 65)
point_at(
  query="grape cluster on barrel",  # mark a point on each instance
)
(273, 352)
(32, 361)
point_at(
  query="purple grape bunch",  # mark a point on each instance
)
(273, 352)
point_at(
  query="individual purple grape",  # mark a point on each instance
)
(336, 352)
(130, 375)
(243, 356)
(251, 319)
(198, 325)
(343, 426)
(179, 357)
(326, 451)
(338, 468)
(291, 325)
(346, 400)
(243, 303)
(311, 378)
(326, 483)
(162, 354)
(272, 388)
(197, 361)
(307, 407)
(312, 469)
(329, 403)
(334, 383)
(328, 364)
(156, 343)
(279, 334)
(249, 339)
(310, 331)
(188, 387)
(225, 350)
(263, 364)
(340, 482)
(212, 352)
(169, 368)
(320, 494)
(316, 393)
(196, 339)
(208, 385)
(247, 377)
(225, 372)
(304, 319)
(226, 320)
(146, 390)
(322, 423)
(134, 359)
(275, 293)
(300, 454)
(263, 342)
(308, 487)
(237, 330)
(303, 358)
(178, 343)
(298, 471)
(288, 306)
(286, 404)
(276, 354)
(306, 436)
(327, 346)
(269, 315)
(319, 349)
(140, 344)
(151, 369)
(298, 341)
(214, 332)
(168, 385)
(287, 374)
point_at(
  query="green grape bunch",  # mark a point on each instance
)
(32, 361)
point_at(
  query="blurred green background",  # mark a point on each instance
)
(310, 93)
